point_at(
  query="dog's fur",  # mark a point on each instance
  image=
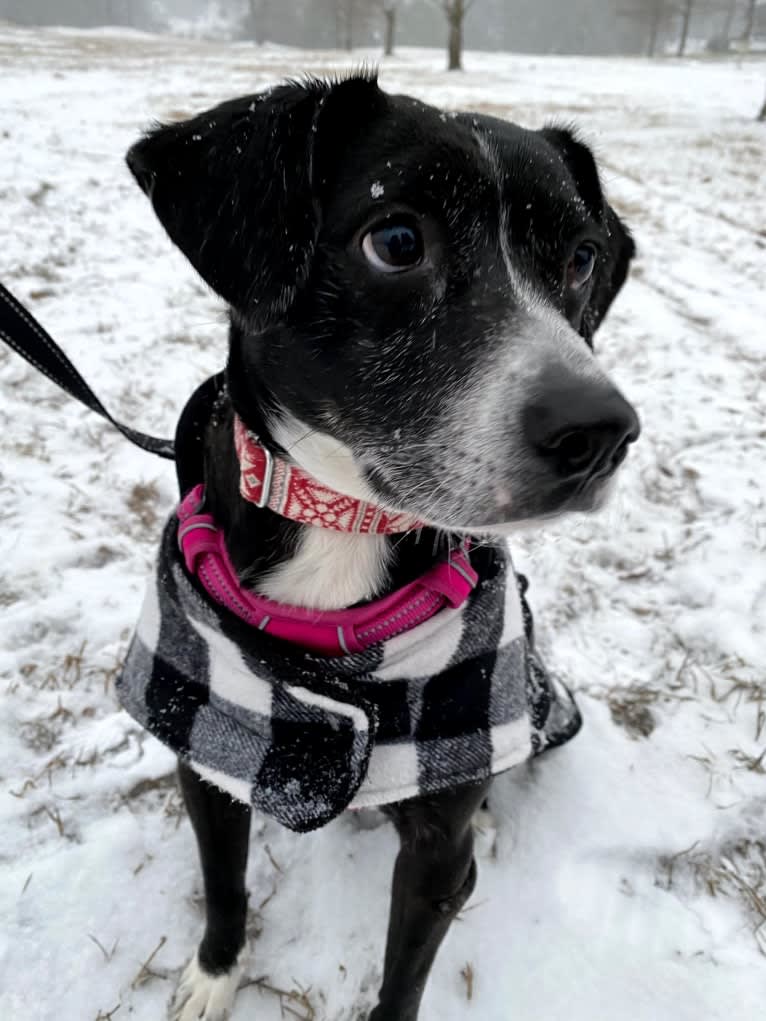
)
(463, 390)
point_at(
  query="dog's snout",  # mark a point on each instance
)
(582, 429)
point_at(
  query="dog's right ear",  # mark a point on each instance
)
(620, 247)
(233, 189)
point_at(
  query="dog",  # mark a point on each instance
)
(413, 297)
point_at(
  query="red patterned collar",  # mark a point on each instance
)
(268, 481)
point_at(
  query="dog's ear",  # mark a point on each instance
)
(234, 188)
(621, 248)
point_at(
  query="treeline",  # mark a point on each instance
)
(533, 26)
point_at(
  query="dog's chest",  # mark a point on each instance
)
(330, 570)
(303, 736)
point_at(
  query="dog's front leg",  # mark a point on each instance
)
(434, 876)
(222, 827)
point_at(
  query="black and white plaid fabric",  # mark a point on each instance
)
(302, 737)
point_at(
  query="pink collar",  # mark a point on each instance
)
(331, 632)
(269, 481)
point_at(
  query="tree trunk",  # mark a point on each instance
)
(349, 26)
(747, 32)
(731, 10)
(254, 22)
(654, 29)
(455, 42)
(390, 31)
(762, 114)
(685, 22)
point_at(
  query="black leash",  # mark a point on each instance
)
(20, 329)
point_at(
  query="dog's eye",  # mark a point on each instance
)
(580, 267)
(393, 247)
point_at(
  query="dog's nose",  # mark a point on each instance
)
(581, 428)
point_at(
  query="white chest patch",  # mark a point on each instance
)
(329, 570)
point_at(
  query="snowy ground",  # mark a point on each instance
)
(626, 878)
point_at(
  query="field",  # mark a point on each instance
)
(622, 877)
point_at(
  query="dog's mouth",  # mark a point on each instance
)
(497, 464)
(472, 507)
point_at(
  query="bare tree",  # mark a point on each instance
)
(731, 10)
(747, 32)
(455, 12)
(256, 19)
(348, 13)
(655, 15)
(687, 8)
(652, 15)
(389, 8)
(348, 10)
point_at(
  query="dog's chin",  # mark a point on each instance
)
(511, 518)
(590, 501)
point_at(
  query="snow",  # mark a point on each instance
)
(623, 876)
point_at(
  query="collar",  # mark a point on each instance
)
(269, 481)
(331, 632)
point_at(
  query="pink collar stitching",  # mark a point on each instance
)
(331, 632)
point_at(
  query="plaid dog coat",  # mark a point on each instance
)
(303, 736)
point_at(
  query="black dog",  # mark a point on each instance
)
(413, 299)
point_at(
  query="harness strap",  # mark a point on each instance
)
(22, 332)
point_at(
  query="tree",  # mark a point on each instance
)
(656, 15)
(344, 21)
(348, 13)
(687, 7)
(762, 114)
(389, 8)
(747, 33)
(255, 19)
(455, 12)
(652, 15)
(731, 10)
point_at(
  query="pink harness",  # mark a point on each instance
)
(329, 632)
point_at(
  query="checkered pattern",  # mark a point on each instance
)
(302, 737)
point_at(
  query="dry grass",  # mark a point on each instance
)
(107, 1015)
(142, 503)
(467, 975)
(293, 1003)
(630, 709)
(38, 196)
(737, 871)
(145, 972)
(73, 671)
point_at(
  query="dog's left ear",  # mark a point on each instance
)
(235, 186)
(621, 248)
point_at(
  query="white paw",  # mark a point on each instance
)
(204, 997)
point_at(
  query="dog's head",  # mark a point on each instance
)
(413, 294)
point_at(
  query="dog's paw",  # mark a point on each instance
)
(204, 997)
